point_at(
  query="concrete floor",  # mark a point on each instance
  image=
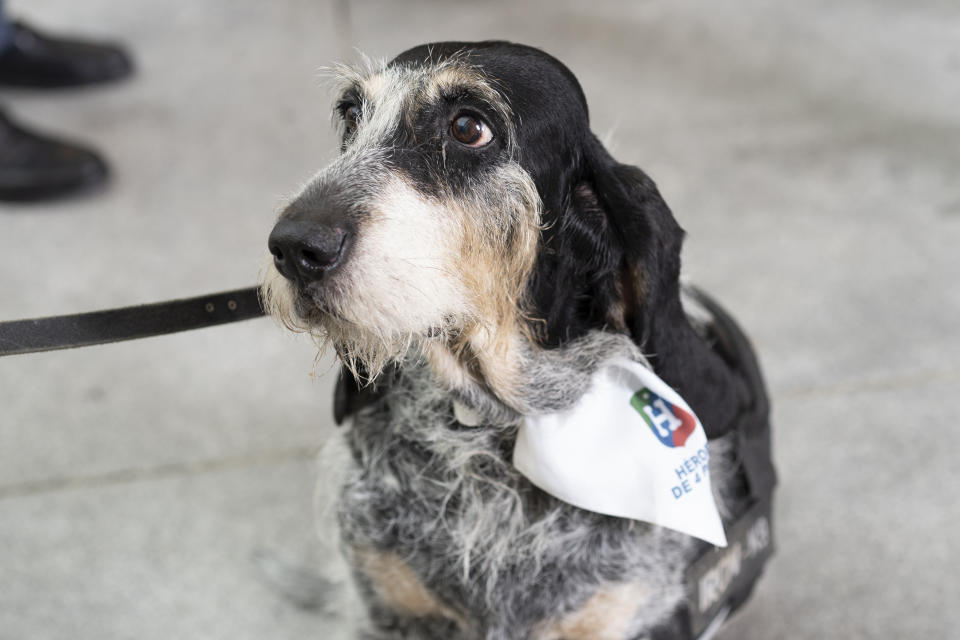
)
(812, 151)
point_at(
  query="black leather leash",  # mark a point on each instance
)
(128, 323)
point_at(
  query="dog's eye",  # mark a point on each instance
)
(351, 119)
(470, 130)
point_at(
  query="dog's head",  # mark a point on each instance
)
(472, 214)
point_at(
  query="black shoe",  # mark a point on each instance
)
(35, 167)
(35, 60)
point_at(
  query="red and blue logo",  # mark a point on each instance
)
(670, 423)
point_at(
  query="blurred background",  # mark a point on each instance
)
(811, 150)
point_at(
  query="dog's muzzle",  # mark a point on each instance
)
(306, 250)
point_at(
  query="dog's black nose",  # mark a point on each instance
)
(304, 250)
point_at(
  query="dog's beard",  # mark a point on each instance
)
(366, 352)
(366, 348)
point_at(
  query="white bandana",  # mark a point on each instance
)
(631, 447)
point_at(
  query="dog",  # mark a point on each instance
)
(474, 256)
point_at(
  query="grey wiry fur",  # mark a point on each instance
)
(501, 553)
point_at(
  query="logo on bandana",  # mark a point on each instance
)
(671, 424)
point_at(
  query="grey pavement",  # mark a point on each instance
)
(811, 151)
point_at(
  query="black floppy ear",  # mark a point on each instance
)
(574, 284)
(649, 239)
(647, 280)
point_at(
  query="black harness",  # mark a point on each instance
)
(721, 580)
